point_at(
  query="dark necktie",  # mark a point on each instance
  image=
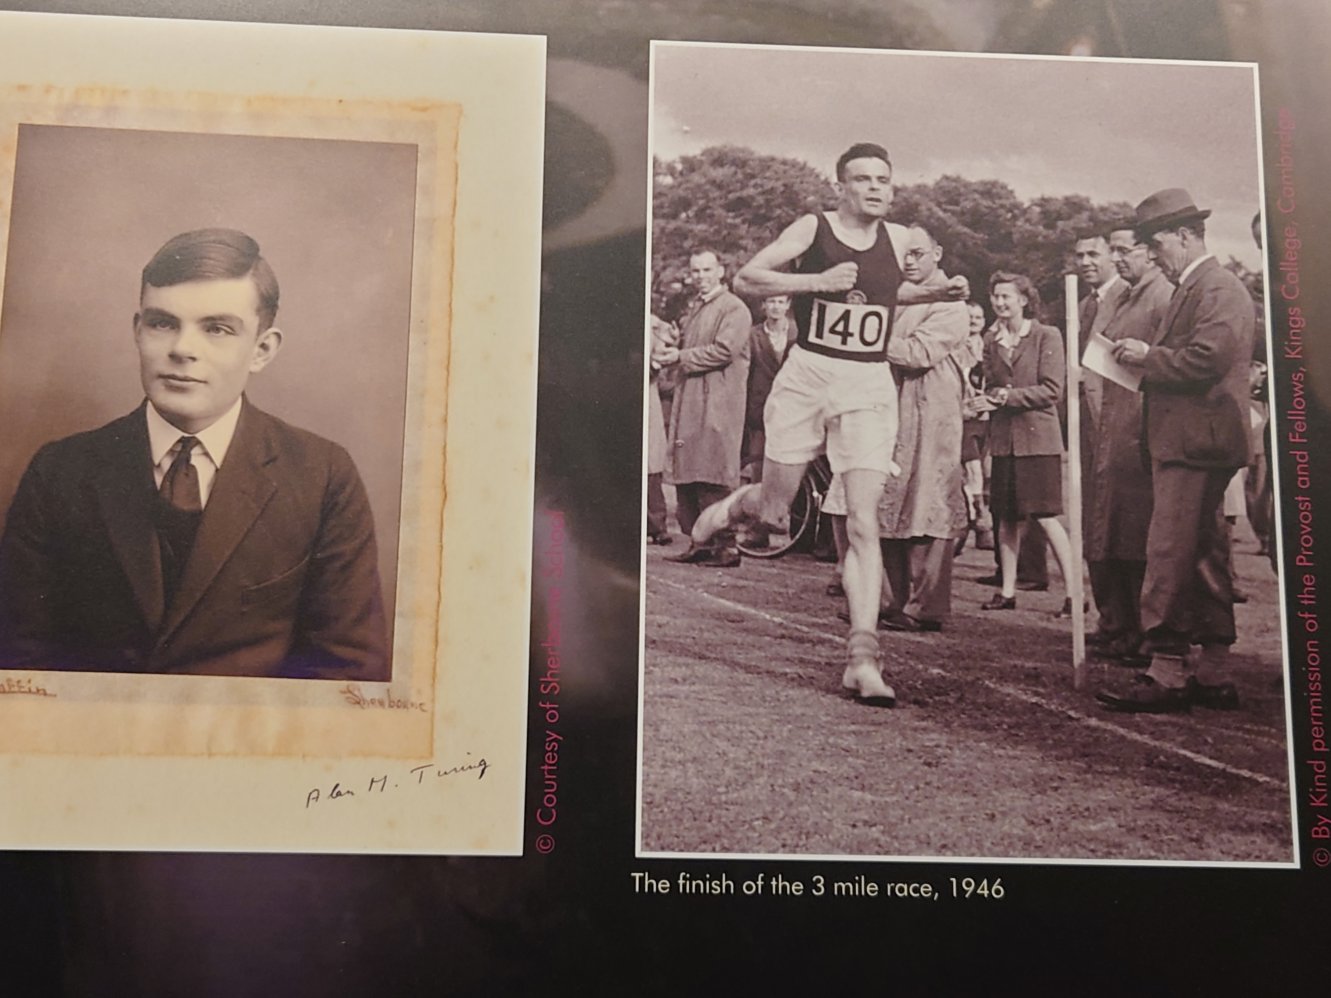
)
(1092, 307)
(180, 484)
(179, 511)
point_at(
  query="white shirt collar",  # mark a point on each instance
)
(1103, 289)
(1193, 266)
(1007, 338)
(216, 439)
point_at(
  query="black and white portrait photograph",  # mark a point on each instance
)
(203, 372)
(959, 520)
(248, 391)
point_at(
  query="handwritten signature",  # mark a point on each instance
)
(353, 695)
(416, 776)
(24, 687)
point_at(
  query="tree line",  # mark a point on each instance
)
(735, 201)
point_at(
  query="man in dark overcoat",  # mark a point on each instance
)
(1195, 398)
(1120, 502)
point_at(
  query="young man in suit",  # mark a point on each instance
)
(197, 535)
(1105, 291)
(769, 342)
(1195, 410)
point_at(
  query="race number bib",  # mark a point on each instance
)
(849, 329)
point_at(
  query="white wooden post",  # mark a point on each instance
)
(1074, 583)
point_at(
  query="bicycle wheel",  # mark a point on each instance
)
(803, 515)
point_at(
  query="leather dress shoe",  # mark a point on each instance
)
(710, 557)
(1124, 650)
(1099, 639)
(661, 538)
(999, 602)
(692, 555)
(897, 621)
(1217, 696)
(1146, 696)
(1027, 586)
(844, 616)
(990, 580)
(900, 621)
(757, 539)
(727, 557)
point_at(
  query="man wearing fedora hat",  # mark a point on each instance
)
(1195, 388)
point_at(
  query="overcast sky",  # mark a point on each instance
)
(1112, 130)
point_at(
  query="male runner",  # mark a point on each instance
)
(835, 392)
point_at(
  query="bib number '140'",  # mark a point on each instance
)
(857, 330)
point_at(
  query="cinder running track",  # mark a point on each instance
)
(749, 747)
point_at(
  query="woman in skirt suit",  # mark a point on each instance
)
(1024, 372)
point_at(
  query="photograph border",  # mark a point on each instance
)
(1275, 470)
(301, 777)
(216, 710)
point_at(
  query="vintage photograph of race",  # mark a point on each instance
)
(960, 537)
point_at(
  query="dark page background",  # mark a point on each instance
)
(182, 924)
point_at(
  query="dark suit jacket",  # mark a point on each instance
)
(764, 362)
(282, 580)
(1195, 382)
(1028, 425)
(1092, 385)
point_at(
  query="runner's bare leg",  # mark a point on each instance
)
(842, 546)
(767, 502)
(770, 502)
(863, 572)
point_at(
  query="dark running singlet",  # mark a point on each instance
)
(854, 324)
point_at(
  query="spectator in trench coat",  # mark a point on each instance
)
(923, 509)
(707, 416)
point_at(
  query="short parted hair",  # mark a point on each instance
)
(1101, 234)
(214, 255)
(1023, 285)
(860, 150)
